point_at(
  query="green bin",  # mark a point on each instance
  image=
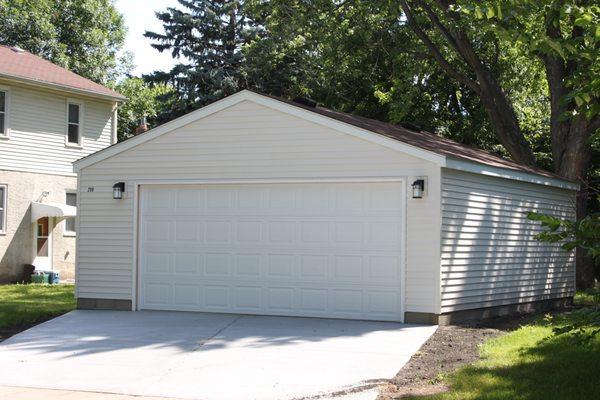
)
(40, 278)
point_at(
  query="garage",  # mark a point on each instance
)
(326, 249)
(261, 205)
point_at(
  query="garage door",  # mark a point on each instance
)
(323, 249)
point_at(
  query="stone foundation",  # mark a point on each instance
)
(479, 314)
(103, 304)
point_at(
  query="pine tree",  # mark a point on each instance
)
(206, 36)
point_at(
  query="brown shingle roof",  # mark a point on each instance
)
(19, 64)
(424, 140)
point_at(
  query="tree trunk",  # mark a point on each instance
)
(497, 105)
(572, 164)
(584, 264)
(571, 150)
(504, 120)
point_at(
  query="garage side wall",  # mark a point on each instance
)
(246, 141)
(489, 255)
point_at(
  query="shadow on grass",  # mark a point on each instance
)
(555, 369)
(533, 363)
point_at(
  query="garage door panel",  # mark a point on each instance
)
(271, 300)
(187, 231)
(186, 263)
(352, 269)
(313, 267)
(217, 297)
(248, 298)
(248, 266)
(186, 295)
(217, 265)
(329, 250)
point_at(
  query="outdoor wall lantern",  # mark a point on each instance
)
(418, 188)
(118, 190)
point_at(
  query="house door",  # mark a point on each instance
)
(43, 244)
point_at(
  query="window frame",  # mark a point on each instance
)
(6, 133)
(67, 232)
(79, 144)
(3, 217)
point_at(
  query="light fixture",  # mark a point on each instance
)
(418, 188)
(118, 190)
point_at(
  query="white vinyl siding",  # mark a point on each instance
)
(38, 127)
(489, 254)
(244, 142)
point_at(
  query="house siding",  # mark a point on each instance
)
(17, 244)
(489, 256)
(245, 141)
(38, 127)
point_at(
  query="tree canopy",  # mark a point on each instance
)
(144, 101)
(82, 36)
(206, 37)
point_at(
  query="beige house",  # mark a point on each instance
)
(264, 206)
(49, 117)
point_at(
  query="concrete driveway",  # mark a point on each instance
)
(207, 356)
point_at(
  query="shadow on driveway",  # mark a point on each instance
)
(208, 356)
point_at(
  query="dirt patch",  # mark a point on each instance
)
(5, 333)
(448, 349)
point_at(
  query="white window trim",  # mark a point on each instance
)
(79, 144)
(65, 231)
(6, 133)
(4, 218)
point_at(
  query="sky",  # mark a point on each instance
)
(139, 17)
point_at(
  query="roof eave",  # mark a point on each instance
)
(62, 88)
(507, 173)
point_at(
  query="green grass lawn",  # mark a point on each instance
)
(25, 305)
(588, 297)
(533, 362)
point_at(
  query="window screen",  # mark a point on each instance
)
(73, 134)
(70, 222)
(2, 113)
(2, 208)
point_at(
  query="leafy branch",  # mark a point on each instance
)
(584, 233)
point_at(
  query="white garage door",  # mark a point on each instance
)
(323, 249)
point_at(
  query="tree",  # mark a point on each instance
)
(584, 233)
(83, 36)
(356, 57)
(206, 36)
(563, 34)
(143, 101)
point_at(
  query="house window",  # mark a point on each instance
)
(74, 123)
(3, 113)
(2, 208)
(70, 222)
